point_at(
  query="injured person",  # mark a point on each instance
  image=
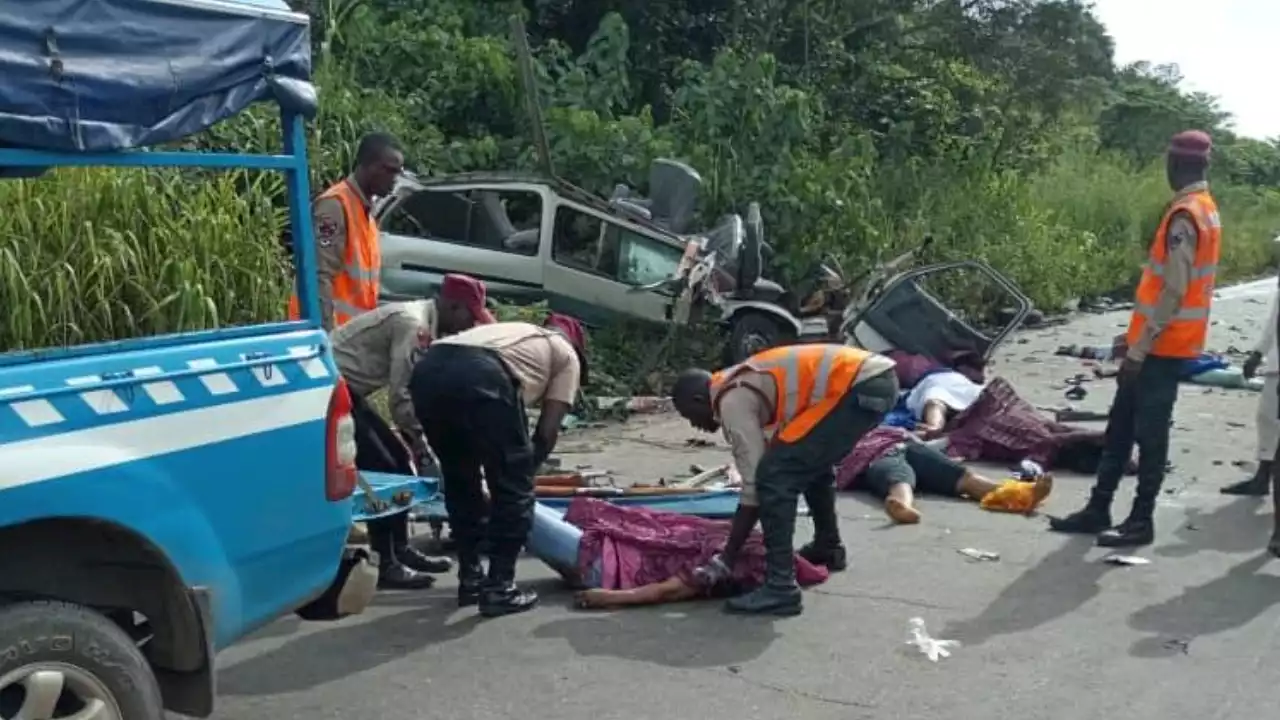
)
(627, 556)
(891, 464)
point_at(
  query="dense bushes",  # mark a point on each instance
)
(1001, 128)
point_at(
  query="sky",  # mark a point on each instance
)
(1221, 48)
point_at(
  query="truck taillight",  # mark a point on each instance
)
(340, 445)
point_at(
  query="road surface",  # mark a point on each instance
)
(1048, 631)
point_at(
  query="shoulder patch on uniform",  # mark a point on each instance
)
(326, 230)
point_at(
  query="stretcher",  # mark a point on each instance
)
(395, 494)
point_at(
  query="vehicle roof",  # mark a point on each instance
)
(560, 185)
(105, 75)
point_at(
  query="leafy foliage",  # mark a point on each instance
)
(1002, 127)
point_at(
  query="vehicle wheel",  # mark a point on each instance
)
(62, 661)
(754, 332)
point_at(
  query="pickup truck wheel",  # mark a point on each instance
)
(753, 332)
(60, 661)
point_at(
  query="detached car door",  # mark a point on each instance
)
(940, 310)
(598, 262)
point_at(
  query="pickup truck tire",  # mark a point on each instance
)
(58, 659)
(752, 332)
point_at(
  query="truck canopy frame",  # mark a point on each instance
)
(96, 83)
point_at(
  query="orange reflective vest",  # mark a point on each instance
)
(1184, 336)
(810, 379)
(355, 287)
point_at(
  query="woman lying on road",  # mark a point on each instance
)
(626, 556)
(893, 464)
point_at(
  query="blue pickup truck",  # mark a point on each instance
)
(160, 497)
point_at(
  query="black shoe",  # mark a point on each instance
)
(422, 562)
(767, 600)
(506, 599)
(395, 576)
(1089, 521)
(1253, 487)
(832, 557)
(1133, 532)
(470, 582)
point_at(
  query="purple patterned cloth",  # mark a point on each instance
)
(869, 448)
(1002, 427)
(635, 546)
(910, 368)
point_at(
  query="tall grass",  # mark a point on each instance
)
(98, 254)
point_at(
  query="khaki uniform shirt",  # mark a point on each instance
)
(1181, 240)
(542, 360)
(378, 349)
(744, 415)
(331, 246)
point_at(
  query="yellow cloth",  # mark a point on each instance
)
(1014, 496)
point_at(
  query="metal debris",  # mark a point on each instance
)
(980, 555)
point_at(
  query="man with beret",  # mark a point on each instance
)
(376, 350)
(470, 391)
(1169, 325)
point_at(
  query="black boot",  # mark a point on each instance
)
(1093, 519)
(501, 596)
(398, 530)
(470, 579)
(826, 549)
(392, 574)
(779, 595)
(1137, 530)
(396, 576)
(422, 562)
(1257, 486)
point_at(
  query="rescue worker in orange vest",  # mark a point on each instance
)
(1169, 324)
(816, 401)
(348, 254)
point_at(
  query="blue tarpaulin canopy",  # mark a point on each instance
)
(105, 75)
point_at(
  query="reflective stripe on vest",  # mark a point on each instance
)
(355, 287)
(1185, 334)
(810, 379)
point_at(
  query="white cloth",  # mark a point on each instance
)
(1269, 418)
(1267, 344)
(950, 388)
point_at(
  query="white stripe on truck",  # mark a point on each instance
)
(55, 456)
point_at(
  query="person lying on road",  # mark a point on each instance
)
(377, 350)
(892, 464)
(940, 395)
(815, 401)
(626, 556)
(469, 392)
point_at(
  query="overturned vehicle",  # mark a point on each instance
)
(538, 238)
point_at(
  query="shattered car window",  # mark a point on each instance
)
(644, 260)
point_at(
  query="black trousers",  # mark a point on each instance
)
(378, 449)
(1140, 414)
(470, 406)
(789, 470)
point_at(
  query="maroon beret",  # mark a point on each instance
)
(1191, 144)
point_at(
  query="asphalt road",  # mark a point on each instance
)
(1048, 631)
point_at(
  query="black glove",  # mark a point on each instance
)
(1251, 364)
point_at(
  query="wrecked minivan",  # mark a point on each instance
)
(530, 239)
